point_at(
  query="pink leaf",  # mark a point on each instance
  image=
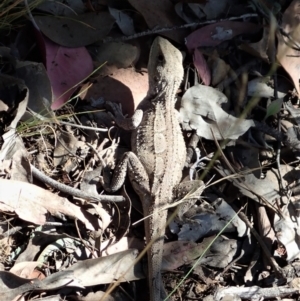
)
(214, 34)
(66, 68)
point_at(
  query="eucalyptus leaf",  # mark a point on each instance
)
(274, 107)
(201, 110)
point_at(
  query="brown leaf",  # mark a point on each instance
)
(122, 55)
(160, 13)
(261, 48)
(178, 253)
(18, 165)
(66, 142)
(219, 69)
(25, 269)
(125, 86)
(125, 243)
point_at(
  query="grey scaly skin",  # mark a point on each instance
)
(155, 164)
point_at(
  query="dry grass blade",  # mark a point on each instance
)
(10, 12)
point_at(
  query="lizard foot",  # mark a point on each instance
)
(121, 120)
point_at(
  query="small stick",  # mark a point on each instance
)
(166, 29)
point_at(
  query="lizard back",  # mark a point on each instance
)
(158, 141)
(159, 145)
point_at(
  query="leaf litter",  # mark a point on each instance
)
(239, 101)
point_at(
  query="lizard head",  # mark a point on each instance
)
(164, 67)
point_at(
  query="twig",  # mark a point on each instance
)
(160, 30)
(73, 191)
(229, 266)
(85, 127)
(11, 231)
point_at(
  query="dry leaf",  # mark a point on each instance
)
(122, 55)
(160, 13)
(109, 268)
(62, 8)
(261, 48)
(125, 86)
(219, 69)
(189, 12)
(18, 165)
(201, 110)
(76, 31)
(12, 286)
(125, 243)
(175, 254)
(123, 20)
(38, 83)
(25, 269)
(66, 143)
(32, 203)
(208, 223)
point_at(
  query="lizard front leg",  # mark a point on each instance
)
(131, 165)
(127, 124)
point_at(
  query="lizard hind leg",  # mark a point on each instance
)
(191, 192)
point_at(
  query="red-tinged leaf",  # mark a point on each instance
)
(214, 34)
(66, 68)
(125, 86)
(202, 67)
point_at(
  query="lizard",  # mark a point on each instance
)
(158, 154)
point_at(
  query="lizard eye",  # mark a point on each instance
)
(160, 58)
